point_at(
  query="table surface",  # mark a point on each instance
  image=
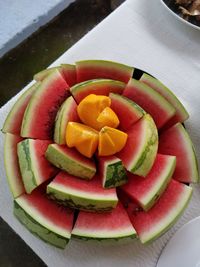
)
(139, 33)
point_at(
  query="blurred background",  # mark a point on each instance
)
(17, 67)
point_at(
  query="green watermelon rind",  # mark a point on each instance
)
(61, 121)
(81, 200)
(36, 228)
(187, 195)
(16, 188)
(146, 158)
(26, 164)
(79, 87)
(28, 93)
(106, 63)
(114, 174)
(150, 199)
(44, 73)
(64, 162)
(168, 94)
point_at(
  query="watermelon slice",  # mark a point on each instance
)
(35, 169)
(66, 113)
(97, 87)
(44, 218)
(112, 171)
(14, 119)
(176, 141)
(150, 225)
(146, 191)
(82, 194)
(151, 101)
(93, 69)
(68, 71)
(140, 150)
(40, 114)
(104, 226)
(12, 166)
(70, 160)
(181, 113)
(127, 110)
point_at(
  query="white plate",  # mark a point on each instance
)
(178, 17)
(184, 248)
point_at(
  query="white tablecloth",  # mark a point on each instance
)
(139, 33)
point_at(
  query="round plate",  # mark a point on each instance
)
(184, 247)
(166, 5)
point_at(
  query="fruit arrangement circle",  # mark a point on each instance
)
(135, 185)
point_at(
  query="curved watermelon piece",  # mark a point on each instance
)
(35, 169)
(104, 226)
(67, 70)
(176, 141)
(71, 161)
(127, 111)
(82, 194)
(151, 101)
(66, 113)
(112, 171)
(14, 119)
(12, 165)
(94, 69)
(44, 218)
(153, 223)
(97, 87)
(40, 114)
(181, 113)
(146, 191)
(140, 150)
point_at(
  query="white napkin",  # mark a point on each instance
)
(139, 33)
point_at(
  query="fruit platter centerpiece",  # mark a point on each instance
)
(98, 151)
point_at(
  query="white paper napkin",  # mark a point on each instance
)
(140, 33)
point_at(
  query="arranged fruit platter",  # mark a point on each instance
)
(98, 151)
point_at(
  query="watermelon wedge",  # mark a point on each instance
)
(82, 194)
(66, 113)
(112, 171)
(151, 101)
(181, 113)
(40, 114)
(93, 69)
(67, 70)
(71, 161)
(12, 166)
(127, 110)
(146, 191)
(44, 218)
(35, 169)
(104, 226)
(153, 223)
(97, 87)
(176, 141)
(140, 150)
(14, 119)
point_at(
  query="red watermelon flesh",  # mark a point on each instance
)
(69, 73)
(97, 87)
(94, 69)
(127, 111)
(52, 219)
(115, 224)
(93, 186)
(153, 223)
(151, 101)
(14, 119)
(40, 114)
(176, 141)
(12, 165)
(146, 191)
